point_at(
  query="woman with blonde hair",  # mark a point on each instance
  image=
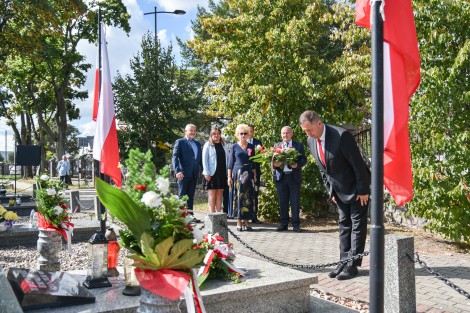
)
(241, 177)
(214, 164)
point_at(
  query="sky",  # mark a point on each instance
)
(123, 47)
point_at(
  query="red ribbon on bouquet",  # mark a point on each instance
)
(42, 223)
(171, 284)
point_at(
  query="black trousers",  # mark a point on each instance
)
(187, 187)
(288, 192)
(352, 230)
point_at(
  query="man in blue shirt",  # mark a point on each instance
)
(63, 169)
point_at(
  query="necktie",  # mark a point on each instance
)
(320, 152)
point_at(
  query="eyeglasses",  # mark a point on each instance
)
(243, 134)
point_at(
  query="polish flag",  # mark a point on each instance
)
(96, 96)
(105, 143)
(401, 79)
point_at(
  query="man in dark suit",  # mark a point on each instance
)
(347, 180)
(255, 142)
(187, 162)
(288, 179)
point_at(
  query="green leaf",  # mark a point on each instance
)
(147, 243)
(179, 255)
(163, 250)
(121, 206)
(201, 279)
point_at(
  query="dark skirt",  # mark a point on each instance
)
(242, 192)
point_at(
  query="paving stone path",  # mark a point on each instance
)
(310, 247)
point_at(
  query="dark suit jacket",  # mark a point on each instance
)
(301, 161)
(183, 158)
(346, 174)
(257, 166)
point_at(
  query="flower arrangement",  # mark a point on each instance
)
(286, 156)
(52, 211)
(160, 234)
(7, 217)
(218, 260)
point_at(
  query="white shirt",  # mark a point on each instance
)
(287, 145)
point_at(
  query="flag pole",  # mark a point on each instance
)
(376, 293)
(101, 208)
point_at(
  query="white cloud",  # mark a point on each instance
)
(88, 129)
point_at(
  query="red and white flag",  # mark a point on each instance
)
(401, 79)
(96, 96)
(105, 143)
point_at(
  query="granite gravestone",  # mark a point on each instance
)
(41, 289)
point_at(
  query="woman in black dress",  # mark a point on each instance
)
(241, 177)
(214, 168)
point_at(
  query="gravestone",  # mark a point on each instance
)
(216, 223)
(41, 289)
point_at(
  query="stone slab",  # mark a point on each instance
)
(266, 288)
(24, 235)
(8, 301)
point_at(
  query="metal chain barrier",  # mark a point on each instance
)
(423, 264)
(291, 265)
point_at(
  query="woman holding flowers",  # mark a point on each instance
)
(241, 176)
(214, 164)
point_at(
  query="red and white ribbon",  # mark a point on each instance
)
(232, 268)
(197, 294)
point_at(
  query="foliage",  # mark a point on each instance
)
(51, 204)
(440, 112)
(158, 99)
(313, 201)
(40, 65)
(278, 58)
(159, 232)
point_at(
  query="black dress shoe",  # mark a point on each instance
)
(195, 220)
(281, 228)
(348, 273)
(297, 229)
(339, 268)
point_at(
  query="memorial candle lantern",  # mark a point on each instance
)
(132, 284)
(97, 276)
(113, 252)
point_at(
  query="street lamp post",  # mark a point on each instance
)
(155, 12)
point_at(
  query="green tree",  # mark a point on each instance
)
(39, 54)
(440, 115)
(156, 101)
(276, 59)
